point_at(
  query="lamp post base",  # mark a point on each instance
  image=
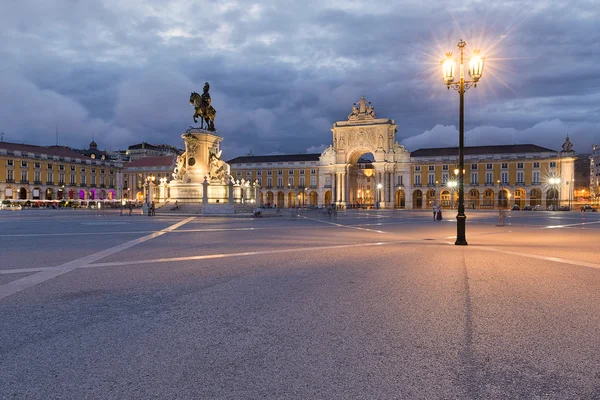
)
(461, 238)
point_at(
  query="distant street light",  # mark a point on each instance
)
(452, 185)
(149, 179)
(305, 193)
(462, 85)
(554, 181)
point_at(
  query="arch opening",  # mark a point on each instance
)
(328, 198)
(270, 199)
(418, 199)
(552, 197)
(535, 197)
(488, 198)
(313, 199)
(430, 198)
(520, 198)
(503, 196)
(400, 199)
(364, 182)
(473, 198)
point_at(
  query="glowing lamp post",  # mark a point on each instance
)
(555, 183)
(149, 179)
(461, 85)
(452, 185)
(378, 194)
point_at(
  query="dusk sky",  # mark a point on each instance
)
(282, 72)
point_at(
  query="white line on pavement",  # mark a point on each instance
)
(218, 230)
(539, 257)
(569, 225)
(21, 284)
(208, 256)
(344, 226)
(177, 225)
(23, 270)
(242, 254)
(76, 233)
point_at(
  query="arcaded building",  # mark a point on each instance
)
(365, 165)
(50, 173)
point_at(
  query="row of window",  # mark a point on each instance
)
(301, 183)
(489, 178)
(37, 177)
(488, 166)
(51, 166)
(279, 172)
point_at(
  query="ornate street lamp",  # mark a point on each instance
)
(461, 85)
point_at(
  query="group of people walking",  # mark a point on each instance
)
(437, 213)
(151, 209)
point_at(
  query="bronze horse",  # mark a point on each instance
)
(203, 110)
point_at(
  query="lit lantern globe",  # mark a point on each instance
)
(476, 66)
(448, 66)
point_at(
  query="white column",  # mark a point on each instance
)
(345, 184)
(341, 177)
(337, 187)
(388, 187)
(162, 190)
(393, 187)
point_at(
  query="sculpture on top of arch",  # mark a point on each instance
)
(364, 111)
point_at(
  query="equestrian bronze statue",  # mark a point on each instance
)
(203, 109)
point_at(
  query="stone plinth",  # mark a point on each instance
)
(195, 162)
(186, 192)
(202, 178)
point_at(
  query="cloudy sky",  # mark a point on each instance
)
(282, 72)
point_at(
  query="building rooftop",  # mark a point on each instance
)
(155, 161)
(59, 151)
(149, 146)
(277, 158)
(477, 150)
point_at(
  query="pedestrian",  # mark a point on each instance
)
(500, 217)
(439, 213)
(434, 211)
(153, 209)
(130, 208)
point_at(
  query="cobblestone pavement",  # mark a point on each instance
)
(357, 305)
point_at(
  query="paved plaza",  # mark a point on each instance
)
(359, 305)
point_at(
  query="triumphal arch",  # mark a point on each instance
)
(341, 175)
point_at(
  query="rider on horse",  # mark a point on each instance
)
(203, 109)
(205, 99)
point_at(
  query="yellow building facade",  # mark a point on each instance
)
(494, 176)
(365, 166)
(54, 173)
(283, 180)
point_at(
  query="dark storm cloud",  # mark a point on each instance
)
(283, 72)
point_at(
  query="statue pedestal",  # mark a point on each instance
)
(185, 192)
(193, 183)
(199, 145)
